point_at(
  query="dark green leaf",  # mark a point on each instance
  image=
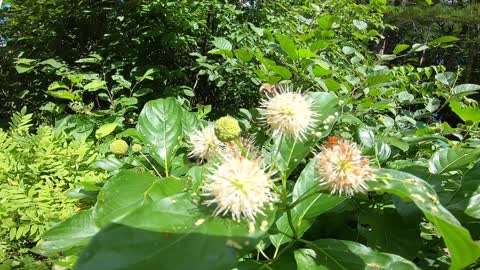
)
(347, 255)
(127, 191)
(160, 128)
(462, 248)
(164, 231)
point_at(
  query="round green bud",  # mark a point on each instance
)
(469, 123)
(119, 147)
(227, 129)
(136, 147)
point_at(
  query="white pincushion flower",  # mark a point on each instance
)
(288, 112)
(342, 168)
(205, 144)
(239, 186)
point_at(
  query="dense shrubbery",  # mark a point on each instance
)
(35, 172)
(330, 155)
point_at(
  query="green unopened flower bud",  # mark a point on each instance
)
(136, 147)
(227, 129)
(119, 147)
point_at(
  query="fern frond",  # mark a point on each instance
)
(20, 122)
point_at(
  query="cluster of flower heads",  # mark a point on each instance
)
(238, 185)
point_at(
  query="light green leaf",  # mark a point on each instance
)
(287, 45)
(63, 94)
(325, 22)
(347, 255)
(444, 39)
(451, 159)
(127, 191)
(466, 113)
(105, 130)
(447, 78)
(282, 71)
(222, 43)
(244, 55)
(73, 232)
(95, 85)
(462, 248)
(400, 48)
(52, 62)
(160, 128)
(465, 89)
(360, 25)
(57, 85)
(304, 53)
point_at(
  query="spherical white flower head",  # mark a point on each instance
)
(239, 186)
(342, 168)
(288, 113)
(205, 144)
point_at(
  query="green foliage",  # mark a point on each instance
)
(35, 172)
(375, 180)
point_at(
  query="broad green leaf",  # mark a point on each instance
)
(304, 53)
(347, 50)
(319, 71)
(244, 55)
(312, 205)
(419, 47)
(360, 25)
(287, 45)
(127, 191)
(366, 137)
(105, 130)
(466, 113)
(451, 159)
(447, 78)
(292, 151)
(325, 22)
(332, 85)
(441, 40)
(63, 94)
(52, 62)
(222, 43)
(465, 89)
(347, 255)
(110, 163)
(160, 128)
(400, 48)
(463, 250)
(57, 85)
(73, 232)
(190, 123)
(161, 233)
(467, 198)
(282, 71)
(386, 231)
(379, 80)
(95, 85)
